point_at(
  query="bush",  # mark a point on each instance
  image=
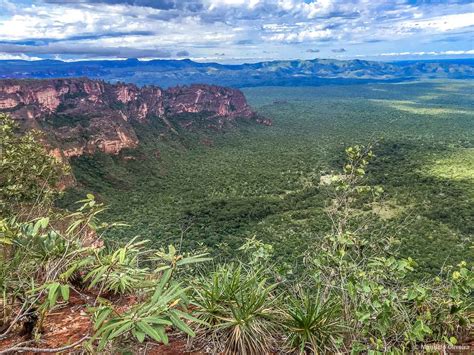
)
(41, 266)
(313, 322)
(238, 308)
(27, 173)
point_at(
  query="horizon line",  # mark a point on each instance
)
(210, 61)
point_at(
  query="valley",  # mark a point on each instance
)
(236, 177)
(204, 190)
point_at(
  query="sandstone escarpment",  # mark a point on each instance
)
(82, 116)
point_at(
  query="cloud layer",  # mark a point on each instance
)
(234, 30)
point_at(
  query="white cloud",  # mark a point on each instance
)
(212, 4)
(306, 35)
(54, 23)
(317, 8)
(8, 56)
(7, 7)
(241, 27)
(430, 53)
(439, 24)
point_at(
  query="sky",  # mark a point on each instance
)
(236, 31)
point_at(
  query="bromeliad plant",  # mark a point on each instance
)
(117, 270)
(147, 279)
(312, 321)
(238, 308)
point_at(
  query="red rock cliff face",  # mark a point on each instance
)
(82, 116)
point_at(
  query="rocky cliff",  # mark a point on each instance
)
(81, 116)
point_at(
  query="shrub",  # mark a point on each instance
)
(356, 263)
(148, 318)
(313, 322)
(27, 173)
(238, 307)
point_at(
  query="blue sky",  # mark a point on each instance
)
(235, 31)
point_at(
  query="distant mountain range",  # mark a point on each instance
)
(168, 73)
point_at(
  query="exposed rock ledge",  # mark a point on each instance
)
(82, 116)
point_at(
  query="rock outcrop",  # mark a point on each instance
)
(82, 116)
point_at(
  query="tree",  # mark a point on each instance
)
(28, 174)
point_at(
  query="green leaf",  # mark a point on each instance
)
(162, 268)
(110, 325)
(52, 294)
(364, 317)
(69, 272)
(159, 288)
(188, 317)
(99, 273)
(122, 254)
(150, 331)
(36, 227)
(139, 335)
(103, 314)
(157, 320)
(161, 331)
(65, 292)
(192, 260)
(103, 341)
(178, 322)
(73, 226)
(44, 222)
(122, 329)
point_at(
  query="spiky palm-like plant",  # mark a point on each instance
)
(239, 307)
(313, 323)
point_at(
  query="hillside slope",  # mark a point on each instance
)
(82, 116)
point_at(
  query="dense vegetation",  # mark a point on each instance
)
(353, 296)
(216, 190)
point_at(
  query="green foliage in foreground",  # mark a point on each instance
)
(312, 322)
(26, 173)
(354, 294)
(239, 310)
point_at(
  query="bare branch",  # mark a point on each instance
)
(17, 348)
